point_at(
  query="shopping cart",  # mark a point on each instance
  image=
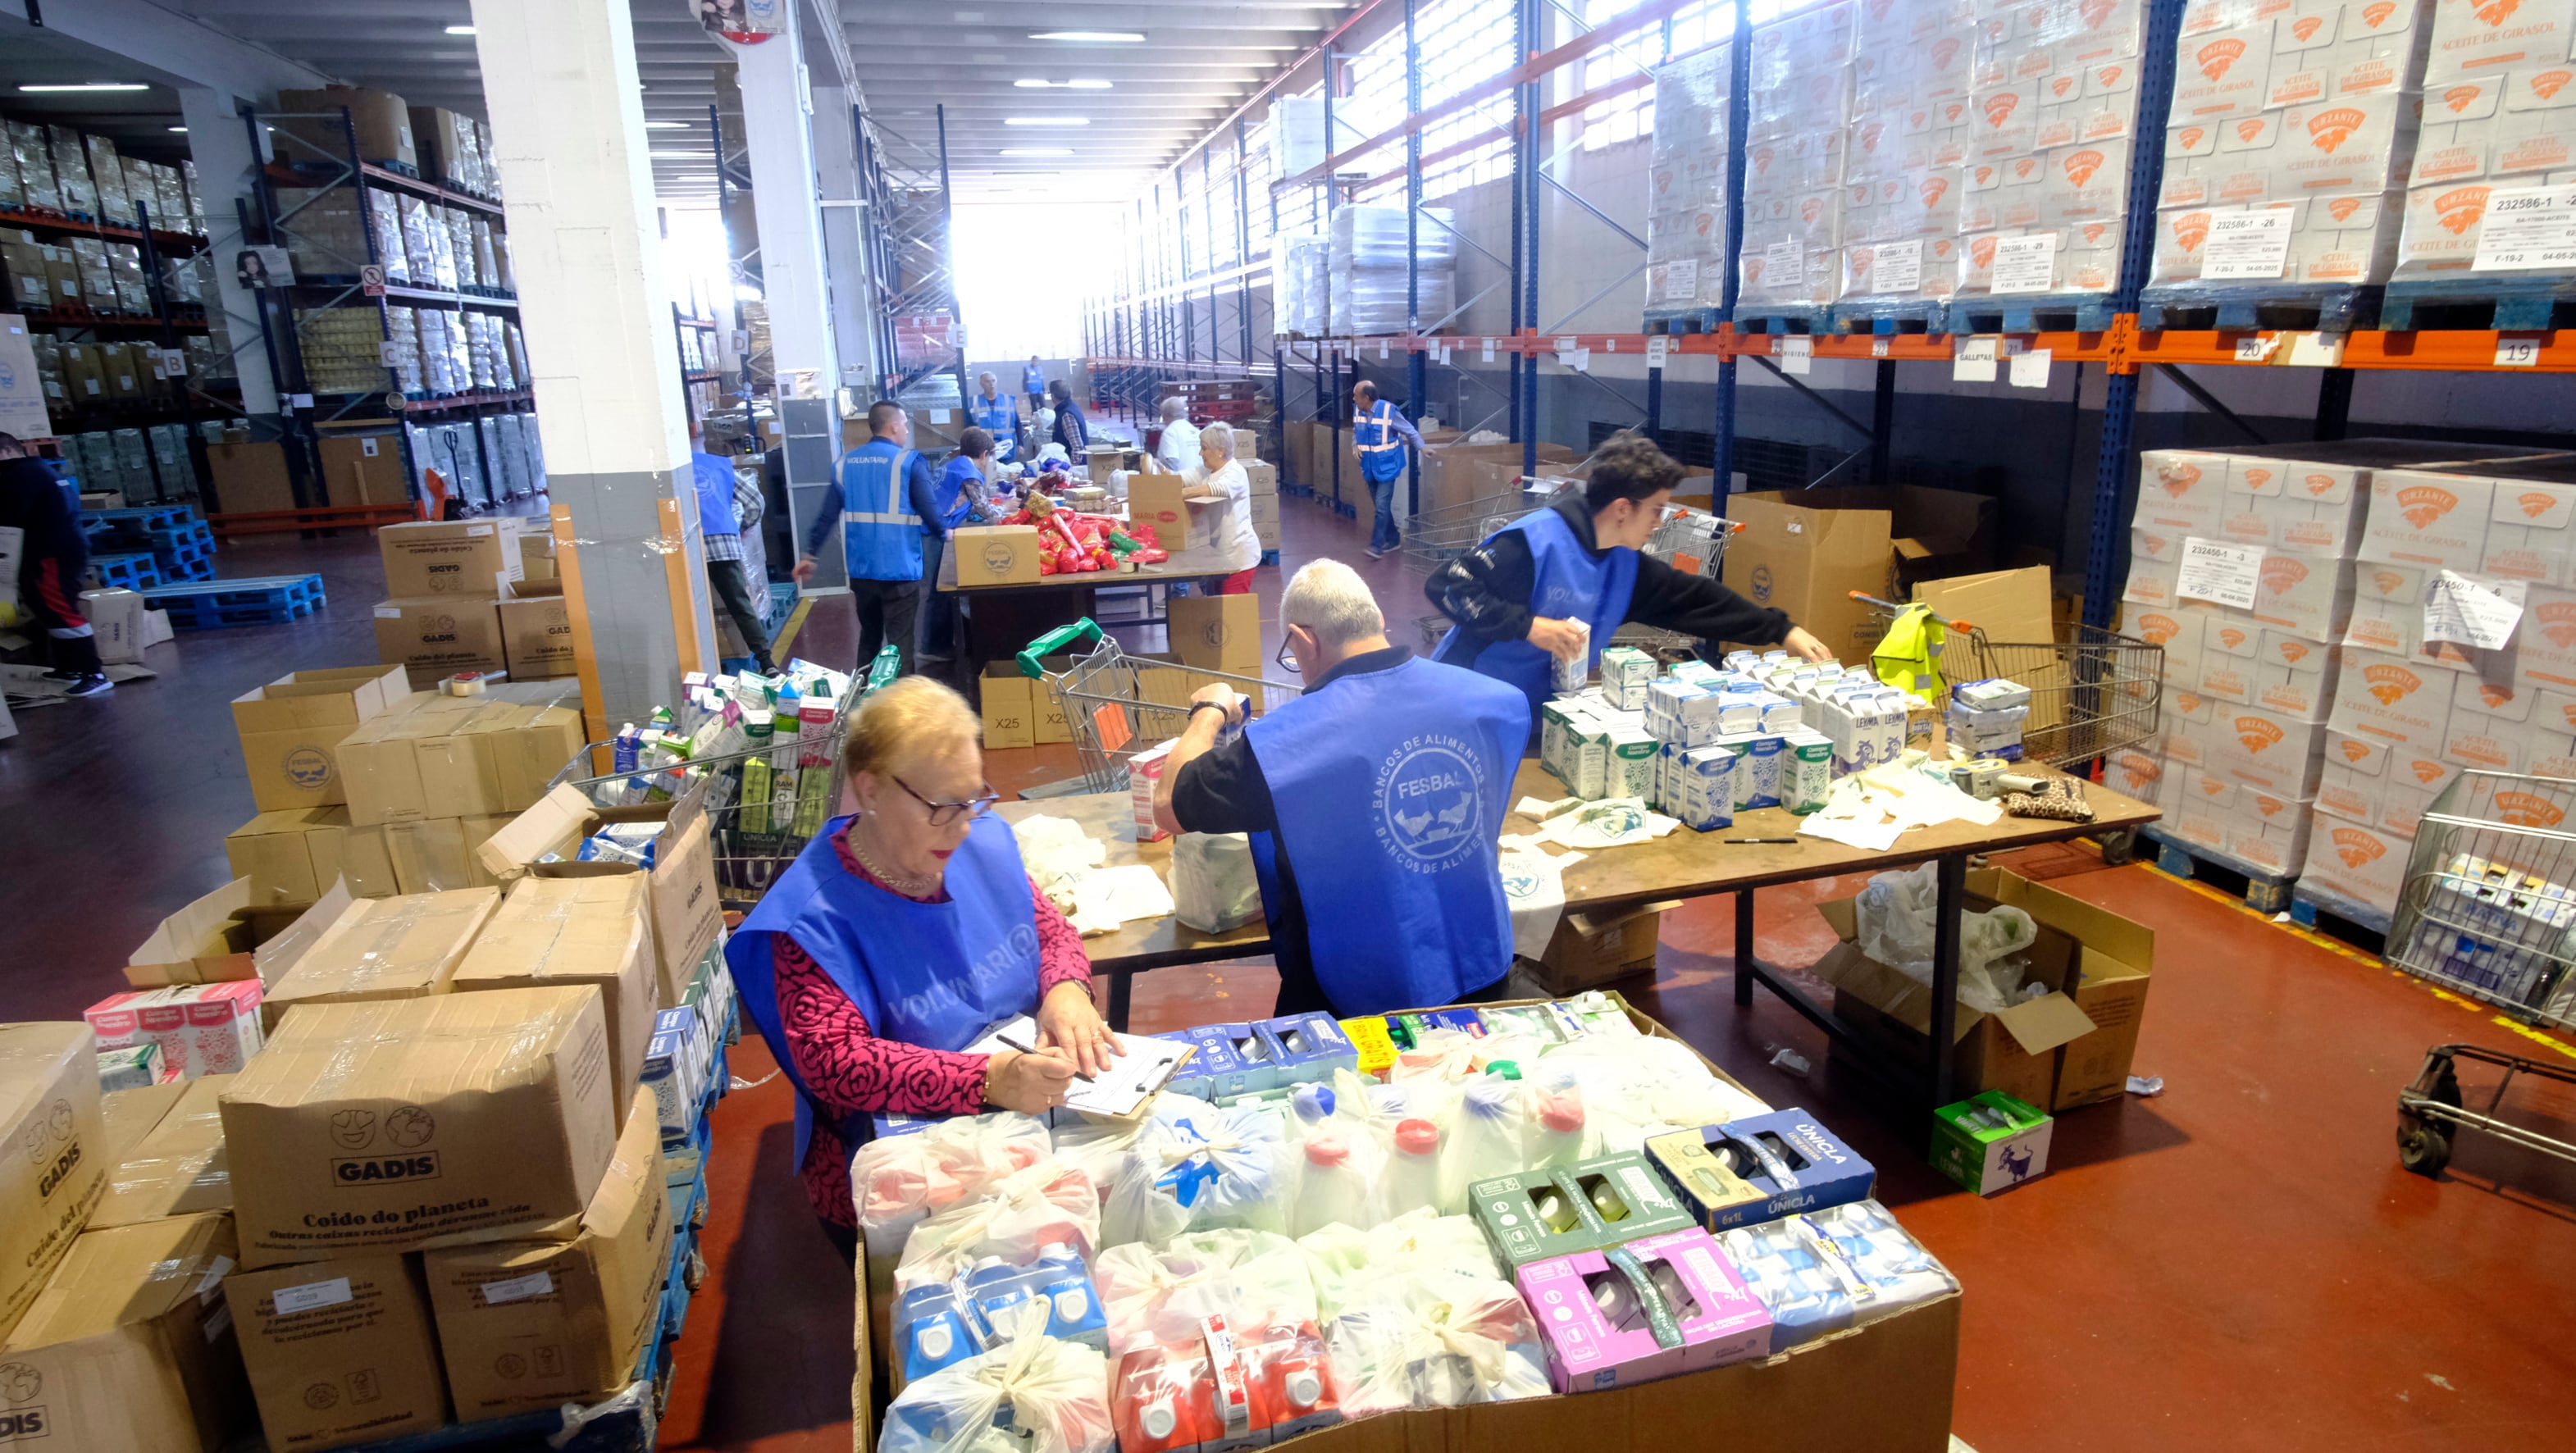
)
(2092, 691)
(1433, 538)
(2431, 1110)
(1116, 705)
(2489, 900)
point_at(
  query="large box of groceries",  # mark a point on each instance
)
(57, 1169)
(434, 756)
(682, 895)
(339, 1351)
(403, 947)
(593, 931)
(291, 728)
(131, 1349)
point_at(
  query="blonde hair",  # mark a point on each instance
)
(905, 721)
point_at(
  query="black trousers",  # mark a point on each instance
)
(733, 587)
(938, 608)
(887, 611)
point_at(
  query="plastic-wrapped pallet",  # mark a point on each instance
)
(1298, 282)
(2046, 135)
(486, 261)
(196, 204)
(328, 234)
(71, 170)
(1686, 182)
(10, 194)
(1800, 81)
(343, 349)
(384, 220)
(460, 244)
(1369, 275)
(35, 165)
(2499, 132)
(1901, 206)
(402, 332)
(107, 179)
(2291, 129)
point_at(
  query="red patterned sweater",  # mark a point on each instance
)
(849, 1069)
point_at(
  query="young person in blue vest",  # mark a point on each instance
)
(961, 494)
(1553, 584)
(998, 416)
(897, 938)
(1033, 383)
(1375, 802)
(723, 498)
(1380, 433)
(885, 504)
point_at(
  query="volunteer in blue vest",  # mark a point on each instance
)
(1375, 801)
(997, 416)
(1555, 583)
(1071, 429)
(885, 504)
(1380, 433)
(1033, 383)
(961, 499)
(720, 511)
(898, 937)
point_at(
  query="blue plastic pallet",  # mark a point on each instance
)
(1888, 319)
(194, 570)
(2264, 892)
(1779, 320)
(211, 604)
(1684, 322)
(2326, 307)
(2507, 305)
(126, 572)
(152, 517)
(2041, 313)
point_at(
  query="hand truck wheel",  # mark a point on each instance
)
(2423, 1150)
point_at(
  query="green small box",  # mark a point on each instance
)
(1991, 1142)
(1538, 1214)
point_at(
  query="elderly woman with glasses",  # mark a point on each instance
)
(898, 937)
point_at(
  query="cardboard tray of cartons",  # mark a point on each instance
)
(682, 896)
(1881, 1388)
(291, 728)
(2057, 1051)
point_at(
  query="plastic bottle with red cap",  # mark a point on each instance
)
(1412, 1178)
(1330, 1187)
(1557, 1133)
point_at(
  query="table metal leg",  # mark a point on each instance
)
(1950, 877)
(1744, 949)
(1122, 990)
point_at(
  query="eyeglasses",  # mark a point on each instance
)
(944, 813)
(1286, 659)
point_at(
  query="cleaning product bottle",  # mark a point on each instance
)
(1488, 1142)
(1413, 1172)
(1331, 1189)
(1557, 1139)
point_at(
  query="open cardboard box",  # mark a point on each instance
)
(682, 898)
(223, 936)
(1881, 1388)
(2072, 1046)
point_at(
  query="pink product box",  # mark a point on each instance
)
(203, 1029)
(1654, 1308)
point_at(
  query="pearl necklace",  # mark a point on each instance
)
(907, 885)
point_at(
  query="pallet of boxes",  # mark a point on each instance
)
(461, 597)
(447, 1169)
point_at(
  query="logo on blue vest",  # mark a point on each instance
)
(1427, 793)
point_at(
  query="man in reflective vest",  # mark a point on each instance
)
(997, 416)
(1379, 433)
(1553, 584)
(1374, 801)
(884, 502)
(1033, 383)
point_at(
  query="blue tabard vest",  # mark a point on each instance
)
(717, 513)
(1390, 788)
(932, 974)
(880, 535)
(1381, 449)
(1001, 419)
(1567, 584)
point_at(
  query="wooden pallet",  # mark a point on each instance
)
(2308, 307)
(2265, 893)
(1888, 319)
(1791, 321)
(325, 517)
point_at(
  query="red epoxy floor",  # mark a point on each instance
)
(2239, 1264)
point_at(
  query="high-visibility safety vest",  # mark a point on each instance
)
(1380, 448)
(880, 534)
(999, 417)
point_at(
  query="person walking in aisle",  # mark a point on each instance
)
(1220, 498)
(1375, 803)
(961, 495)
(1178, 447)
(53, 557)
(1069, 425)
(1553, 584)
(1033, 383)
(722, 499)
(1379, 434)
(997, 416)
(885, 503)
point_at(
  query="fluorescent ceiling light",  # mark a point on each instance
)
(460, 30)
(89, 86)
(181, 130)
(1046, 121)
(667, 125)
(1037, 151)
(681, 155)
(1045, 85)
(1092, 37)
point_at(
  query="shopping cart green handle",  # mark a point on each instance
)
(1032, 661)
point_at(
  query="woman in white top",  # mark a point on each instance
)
(1220, 495)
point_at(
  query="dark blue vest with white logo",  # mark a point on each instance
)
(1390, 788)
(1380, 448)
(1567, 583)
(999, 417)
(880, 535)
(931, 974)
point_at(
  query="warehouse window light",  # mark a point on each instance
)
(460, 30)
(1092, 37)
(1034, 83)
(1046, 121)
(46, 86)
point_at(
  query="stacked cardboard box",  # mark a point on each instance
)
(1686, 182)
(1799, 104)
(2499, 127)
(1263, 478)
(291, 727)
(1912, 70)
(444, 581)
(430, 781)
(2291, 130)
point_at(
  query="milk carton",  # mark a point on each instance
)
(1761, 768)
(1705, 788)
(1806, 770)
(1628, 769)
(1584, 759)
(1626, 673)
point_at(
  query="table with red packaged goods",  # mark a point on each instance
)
(1680, 864)
(1003, 619)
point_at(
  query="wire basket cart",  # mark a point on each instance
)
(1116, 706)
(2431, 1111)
(1435, 537)
(2488, 910)
(2092, 691)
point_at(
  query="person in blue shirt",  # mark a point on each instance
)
(961, 494)
(1380, 433)
(720, 522)
(997, 416)
(1070, 429)
(885, 505)
(1033, 383)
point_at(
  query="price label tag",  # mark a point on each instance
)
(1381, 350)
(1489, 350)
(299, 401)
(2025, 264)
(1681, 281)
(2526, 228)
(1784, 266)
(1897, 267)
(1974, 362)
(1879, 347)
(2215, 570)
(2245, 245)
(2256, 348)
(2030, 369)
(2517, 350)
(1658, 348)
(1797, 355)
(1568, 345)
(2472, 611)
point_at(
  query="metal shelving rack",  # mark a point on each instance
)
(299, 163)
(1133, 334)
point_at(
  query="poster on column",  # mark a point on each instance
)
(745, 22)
(22, 388)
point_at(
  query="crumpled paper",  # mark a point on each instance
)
(1534, 886)
(1869, 811)
(1066, 864)
(1104, 898)
(1613, 822)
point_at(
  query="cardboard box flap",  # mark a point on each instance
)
(197, 930)
(2106, 937)
(2044, 1023)
(273, 958)
(1891, 993)
(554, 825)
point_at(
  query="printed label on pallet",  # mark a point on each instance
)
(2246, 246)
(2528, 228)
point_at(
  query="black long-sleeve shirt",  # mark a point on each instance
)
(1487, 592)
(920, 488)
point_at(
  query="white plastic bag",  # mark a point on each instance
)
(899, 1180)
(1213, 886)
(1345, 1263)
(1198, 1168)
(1019, 1216)
(1638, 1086)
(1896, 916)
(1049, 1395)
(1150, 1294)
(1425, 1340)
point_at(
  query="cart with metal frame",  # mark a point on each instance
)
(2489, 903)
(2092, 691)
(2431, 1110)
(1117, 706)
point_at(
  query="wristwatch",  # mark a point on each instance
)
(1198, 706)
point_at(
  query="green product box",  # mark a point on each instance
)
(1538, 1214)
(1991, 1142)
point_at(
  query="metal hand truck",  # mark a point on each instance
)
(2430, 1111)
(1117, 706)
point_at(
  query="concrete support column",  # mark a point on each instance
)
(219, 142)
(845, 258)
(567, 117)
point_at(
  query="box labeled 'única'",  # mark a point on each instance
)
(1760, 1168)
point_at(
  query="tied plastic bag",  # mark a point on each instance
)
(1020, 1215)
(899, 1181)
(1897, 913)
(1201, 1170)
(1032, 1394)
(1346, 1263)
(1156, 1295)
(1430, 1340)
(1642, 1086)
(1213, 886)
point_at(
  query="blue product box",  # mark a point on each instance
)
(882, 1127)
(1760, 1168)
(1309, 1047)
(1222, 1063)
(1191, 1078)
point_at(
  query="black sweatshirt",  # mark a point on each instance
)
(1487, 592)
